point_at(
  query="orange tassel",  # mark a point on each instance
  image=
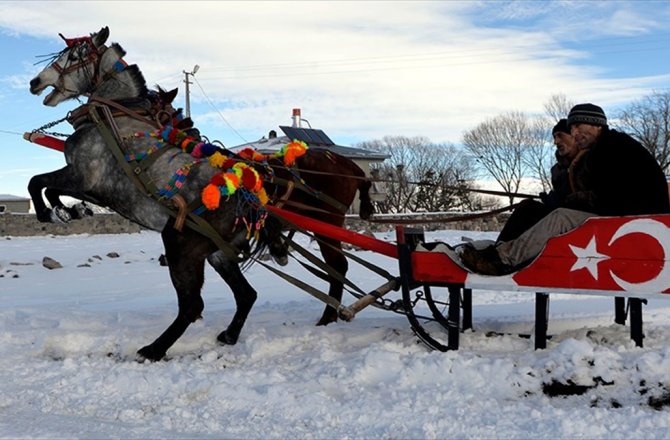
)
(211, 197)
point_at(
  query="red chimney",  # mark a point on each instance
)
(296, 117)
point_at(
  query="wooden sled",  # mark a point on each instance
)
(621, 257)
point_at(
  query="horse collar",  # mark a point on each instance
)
(138, 108)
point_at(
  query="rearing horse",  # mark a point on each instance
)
(87, 67)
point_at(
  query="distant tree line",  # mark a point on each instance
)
(510, 148)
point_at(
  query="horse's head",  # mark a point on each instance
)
(78, 69)
(161, 107)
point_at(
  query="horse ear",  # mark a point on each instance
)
(171, 95)
(102, 36)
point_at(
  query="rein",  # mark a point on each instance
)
(83, 113)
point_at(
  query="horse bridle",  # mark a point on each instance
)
(93, 57)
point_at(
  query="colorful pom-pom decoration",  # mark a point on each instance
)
(237, 175)
(211, 197)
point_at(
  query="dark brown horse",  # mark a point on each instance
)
(327, 175)
(88, 67)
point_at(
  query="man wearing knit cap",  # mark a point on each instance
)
(614, 175)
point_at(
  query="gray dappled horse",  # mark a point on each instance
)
(87, 67)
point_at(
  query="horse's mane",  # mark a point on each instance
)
(137, 76)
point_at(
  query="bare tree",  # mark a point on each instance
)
(499, 145)
(444, 173)
(648, 121)
(542, 157)
(420, 175)
(557, 107)
(399, 186)
(538, 155)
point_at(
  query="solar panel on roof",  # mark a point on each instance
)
(310, 136)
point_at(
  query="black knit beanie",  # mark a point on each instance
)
(561, 126)
(587, 114)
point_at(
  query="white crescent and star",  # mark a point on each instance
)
(589, 258)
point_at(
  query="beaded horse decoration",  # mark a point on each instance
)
(237, 175)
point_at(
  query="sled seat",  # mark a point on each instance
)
(622, 257)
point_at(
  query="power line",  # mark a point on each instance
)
(209, 101)
(306, 68)
(451, 55)
(297, 70)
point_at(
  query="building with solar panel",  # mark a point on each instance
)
(317, 139)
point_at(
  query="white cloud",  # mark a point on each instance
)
(358, 69)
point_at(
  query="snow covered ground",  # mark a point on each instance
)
(68, 338)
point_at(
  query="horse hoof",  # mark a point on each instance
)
(45, 216)
(60, 215)
(325, 321)
(282, 261)
(79, 211)
(148, 353)
(226, 338)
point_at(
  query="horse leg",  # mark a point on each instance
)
(59, 181)
(35, 187)
(331, 250)
(245, 295)
(365, 206)
(186, 261)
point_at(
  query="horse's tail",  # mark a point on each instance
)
(365, 208)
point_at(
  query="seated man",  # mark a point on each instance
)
(531, 211)
(615, 176)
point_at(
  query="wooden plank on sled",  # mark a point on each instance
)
(349, 312)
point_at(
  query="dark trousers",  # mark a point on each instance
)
(523, 218)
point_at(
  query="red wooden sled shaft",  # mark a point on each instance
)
(45, 141)
(334, 232)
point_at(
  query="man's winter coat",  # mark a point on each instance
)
(618, 176)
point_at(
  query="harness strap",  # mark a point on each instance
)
(193, 221)
(116, 150)
(182, 212)
(318, 194)
(323, 297)
(325, 267)
(200, 225)
(123, 109)
(372, 267)
(305, 207)
(346, 313)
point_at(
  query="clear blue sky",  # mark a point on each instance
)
(358, 70)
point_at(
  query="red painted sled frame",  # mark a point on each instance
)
(621, 257)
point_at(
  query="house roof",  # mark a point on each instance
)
(12, 198)
(315, 139)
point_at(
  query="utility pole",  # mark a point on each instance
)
(188, 91)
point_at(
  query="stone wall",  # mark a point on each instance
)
(27, 225)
